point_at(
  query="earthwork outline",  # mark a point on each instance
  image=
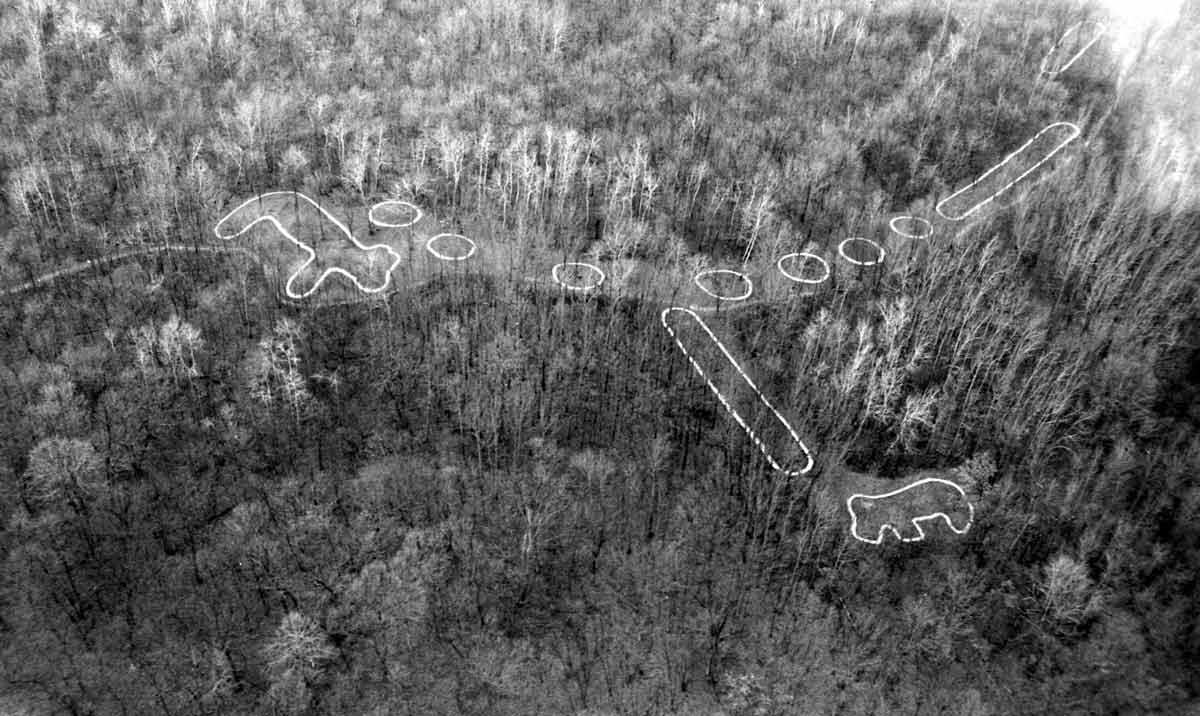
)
(312, 255)
(417, 214)
(928, 227)
(557, 269)
(447, 257)
(916, 521)
(1014, 182)
(1101, 29)
(731, 299)
(724, 402)
(841, 249)
(800, 279)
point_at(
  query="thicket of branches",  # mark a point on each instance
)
(475, 497)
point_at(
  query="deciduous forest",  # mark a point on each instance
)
(476, 493)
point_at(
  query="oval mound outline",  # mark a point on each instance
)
(417, 214)
(856, 262)
(556, 271)
(739, 274)
(799, 279)
(447, 257)
(905, 234)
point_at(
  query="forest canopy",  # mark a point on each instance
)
(469, 494)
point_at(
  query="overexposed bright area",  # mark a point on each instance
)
(1143, 12)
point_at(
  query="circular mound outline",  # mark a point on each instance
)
(798, 279)
(446, 257)
(739, 274)
(855, 262)
(926, 235)
(371, 214)
(557, 279)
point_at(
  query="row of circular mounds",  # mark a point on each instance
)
(455, 247)
(791, 265)
(570, 275)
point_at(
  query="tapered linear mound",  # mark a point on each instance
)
(1091, 31)
(928, 499)
(329, 245)
(51, 277)
(1009, 172)
(771, 433)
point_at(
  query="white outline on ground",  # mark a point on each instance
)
(739, 274)
(916, 521)
(557, 267)
(447, 257)
(1014, 182)
(52, 276)
(312, 255)
(798, 279)
(721, 397)
(856, 262)
(416, 217)
(1100, 32)
(905, 234)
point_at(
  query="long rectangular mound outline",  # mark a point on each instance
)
(749, 382)
(1101, 29)
(978, 205)
(312, 254)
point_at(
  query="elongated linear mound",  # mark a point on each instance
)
(1051, 140)
(50, 277)
(1081, 35)
(328, 244)
(673, 320)
(927, 499)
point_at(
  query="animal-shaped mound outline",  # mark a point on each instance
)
(308, 249)
(935, 489)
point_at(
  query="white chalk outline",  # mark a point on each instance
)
(905, 234)
(384, 224)
(312, 255)
(448, 257)
(798, 279)
(50, 277)
(1103, 29)
(916, 521)
(739, 274)
(856, 262)
(729, 408)
(1014, 182)
(557, 267)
